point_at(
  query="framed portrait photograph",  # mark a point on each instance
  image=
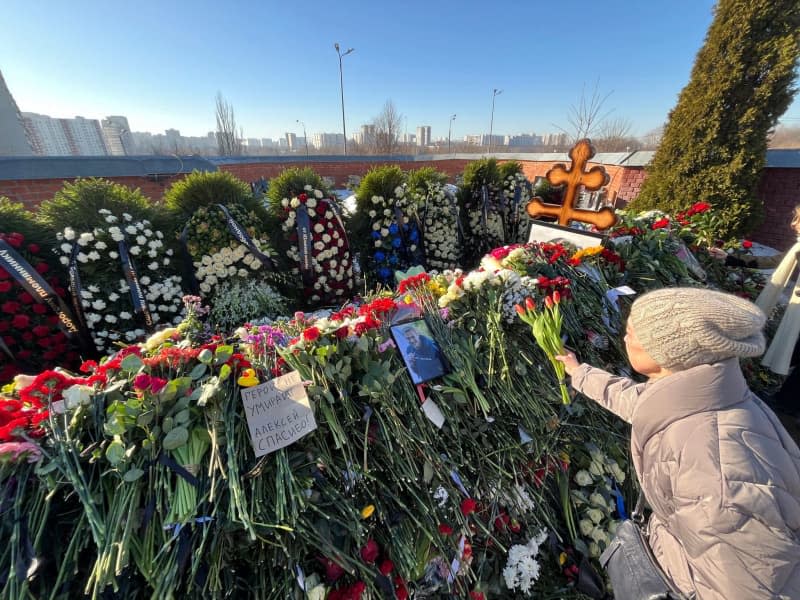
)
(420, 351)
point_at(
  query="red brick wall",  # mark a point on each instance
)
(32, 192)
(779, 189)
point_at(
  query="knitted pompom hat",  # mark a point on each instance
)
(681, 328)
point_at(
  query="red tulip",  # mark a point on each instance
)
(548, 302)
(530, 304)
(519, 309)
(556, 297)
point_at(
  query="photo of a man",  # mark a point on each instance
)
(419, 350)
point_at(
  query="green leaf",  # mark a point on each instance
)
(176, 438)
(131, 363)
(222, 354)
(182, 417)
(115, 452)
(145, 418)
(198, 371)
(205, 356)
(132, 475)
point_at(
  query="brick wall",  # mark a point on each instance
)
(779, 189)
(32, 192)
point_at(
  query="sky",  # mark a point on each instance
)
(161, 62)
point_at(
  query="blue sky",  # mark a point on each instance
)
(161, 63)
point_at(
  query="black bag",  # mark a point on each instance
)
(631, 566)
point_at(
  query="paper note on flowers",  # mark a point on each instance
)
(278, 413)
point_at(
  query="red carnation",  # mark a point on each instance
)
(5, 286)
(747, 244)
(11, 307)
(33, 248)
(41, 330)
(468, 506)
(39, 309)
(445, 529)
(3, 273)
(386, 566)
(370, 552)
(25, 298)
(42, 268)
(20, 321)
(15, 240)
(660, 224)
(473, 595)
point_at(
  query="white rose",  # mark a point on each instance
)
(311, 203)
(111, 319)
(101, 245)
(294, 203)
(94, 255)
(66, 248)
(153, 266)
(135, 250)
(64, 260)
(98, 305)
(141, 240)
(111, 219)
(131, 230)
(69, 233)
(317, 194)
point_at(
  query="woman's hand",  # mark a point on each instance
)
(570, 361)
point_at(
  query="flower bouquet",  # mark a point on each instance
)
(440, 218)
(121, 275)
(482, 209)
(386, 223)
(231, 257)
(318, 246)
(37, 330)
(517, 191)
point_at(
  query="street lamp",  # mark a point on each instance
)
(341, 87)
(449, 131)
(305, 138)
(495, 94)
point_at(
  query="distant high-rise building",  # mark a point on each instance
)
(327, 140)
(13, 139)
(291, 140)
(117, 135)
(523, 140)
(554, 139)
(424, 135)
(408, 138)
(64, 137)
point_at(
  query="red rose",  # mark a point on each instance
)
(33, 248)
(747, 244)
(370, 552)
(302, 197)
(332, 570)
(473, 595)
(157, 384)
(142, 381)
(468, 506)
(311, 334)
(15, 240)
(20, 321)
(5, 286)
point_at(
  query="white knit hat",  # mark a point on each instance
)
(681, 328)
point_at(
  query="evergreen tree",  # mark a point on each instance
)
(715, 142)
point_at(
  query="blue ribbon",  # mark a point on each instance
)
(240, 234)
(132, 277)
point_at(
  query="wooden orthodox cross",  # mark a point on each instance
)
(575, 176)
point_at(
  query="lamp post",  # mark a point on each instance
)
(341, 88)
(305, 137)
(449, 132)
(495, 94)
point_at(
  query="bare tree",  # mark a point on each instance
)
(229, 141)
(614, 135)
(586, 116)
(387, 129)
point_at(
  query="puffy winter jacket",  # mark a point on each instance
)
(721, 475)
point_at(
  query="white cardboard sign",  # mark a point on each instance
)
(278, 413)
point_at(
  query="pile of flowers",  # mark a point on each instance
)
(31, 338)
(318, 246)
(123, 276)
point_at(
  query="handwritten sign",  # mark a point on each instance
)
(278, 413)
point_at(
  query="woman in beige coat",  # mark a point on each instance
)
(718, 469)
